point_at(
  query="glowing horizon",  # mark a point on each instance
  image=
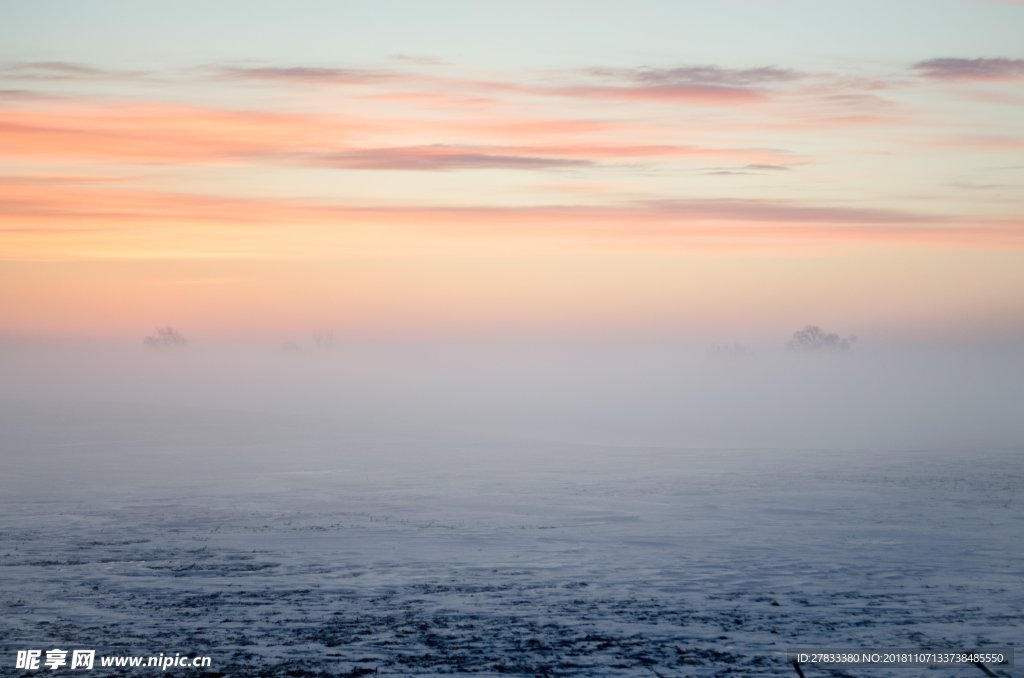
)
(404, 180)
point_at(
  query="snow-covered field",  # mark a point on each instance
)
(297, 547)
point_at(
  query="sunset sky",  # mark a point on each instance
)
(720, 170)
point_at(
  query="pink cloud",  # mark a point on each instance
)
(439, 158)
(29, 207)
(700, 84)
(138, 132)
(458, 157)
(162, 133)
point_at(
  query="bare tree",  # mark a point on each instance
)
(166, 337)
(814, 339)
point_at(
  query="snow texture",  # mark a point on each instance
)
(290, 547)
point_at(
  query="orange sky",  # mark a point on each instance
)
(264, 192)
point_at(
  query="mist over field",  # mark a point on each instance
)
(576, 338)
(641, 392)
(584, 508)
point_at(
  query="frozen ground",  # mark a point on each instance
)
(298, 547)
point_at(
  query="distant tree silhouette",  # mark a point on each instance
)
(165, 337)
(324, 340)
(812, 338)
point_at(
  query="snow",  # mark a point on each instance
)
(282, 543)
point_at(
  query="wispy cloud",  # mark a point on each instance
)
(746, 170)
(63, 71)
(985, 142)
(439, 158)
(699, 94)
(949, 68)
(768, 168)
(137, 132)
(699, 76)
(695, 83)
(18, 94)
(454, 157)
(303, 74)
(513, 135)
(26, 206)
(418, 60)
(162, 133)
(699, 84)
(38, 197)
(786, 212)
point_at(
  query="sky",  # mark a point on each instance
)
(707, 170)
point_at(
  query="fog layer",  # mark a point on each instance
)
(654, 395)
